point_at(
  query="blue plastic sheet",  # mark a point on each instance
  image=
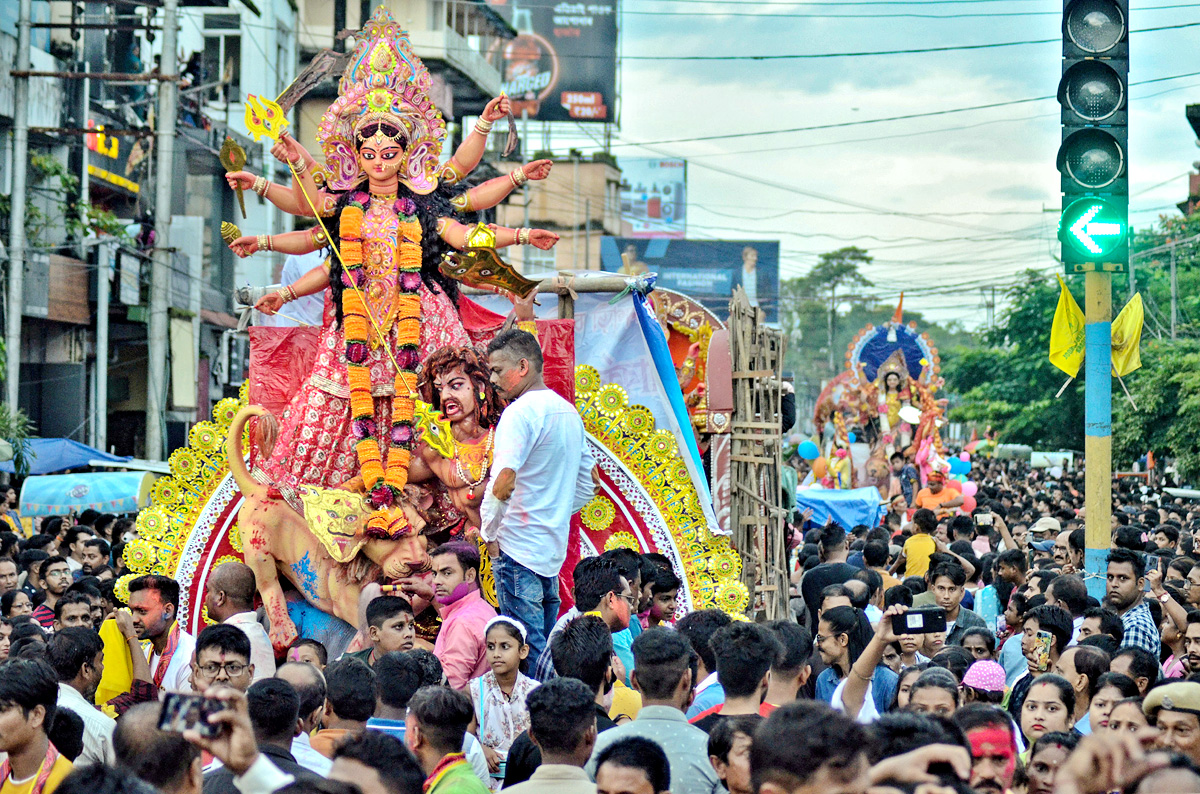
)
(48, 455)
(849, 508)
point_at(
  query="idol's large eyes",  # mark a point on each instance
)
(368, 155)
(389, 155)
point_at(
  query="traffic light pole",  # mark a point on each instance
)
(1097, 442)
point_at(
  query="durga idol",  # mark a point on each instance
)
(387, 210)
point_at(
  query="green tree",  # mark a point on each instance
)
(1151, 251)
(1009, 383)
(1167, 420)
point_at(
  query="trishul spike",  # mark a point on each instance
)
(264, 117)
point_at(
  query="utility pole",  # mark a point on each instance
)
(1174, 293)
(587, 233)
(160, 269)
(16, 215)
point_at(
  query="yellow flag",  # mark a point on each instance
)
(1127, 338)
(1066, 334)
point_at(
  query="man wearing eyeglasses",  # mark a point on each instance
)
(56, 578)
(222, 657)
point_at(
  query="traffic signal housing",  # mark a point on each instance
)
(1093, 157)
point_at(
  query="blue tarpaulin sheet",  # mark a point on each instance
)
(106, 491)
(48, 455)
(849, 508)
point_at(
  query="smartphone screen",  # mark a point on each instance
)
(1044, 642)
(184, 712)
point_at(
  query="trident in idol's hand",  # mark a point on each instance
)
(264, 117)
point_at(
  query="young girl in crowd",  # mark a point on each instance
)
(1111, 688)
(1047, 755)
(1048, 707)
(981, 643)
(1127, 716)
(909, 648)
(904, 686)
(499, 694)
(935, 693)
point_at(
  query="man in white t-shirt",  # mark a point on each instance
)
(542, 473)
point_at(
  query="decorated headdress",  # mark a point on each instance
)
(385, 82)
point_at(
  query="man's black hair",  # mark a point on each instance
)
(27, 684)
(897, 733)
(70, 649)
(798, 739)
(1102, 641)
(561, 712)
(952, 571)
(1092, 663)
(1071, 593)
(66, 733)
(69, 598)
(1055, 620)
(350, 689)
(274, 708)
(100, 779)
(897, 594)
(382, 609)
(745, 652)
(925, 520)
(660, 658)
(520, 345)
(99, 543)
(224, 638)
(698, 627)
(796, 644)
(981, 715)
(1142, 663)
(629, 563)
(636, 752)
(71, 536)
(1013, 558)
(720, 738)
(166, 587)
(872, 580)
(962, 525)
(444, 716)
(582, 649)
(833, 537)
(595, 577)
(467, 554)
(432, 673)
(398, 770)
(1126, 556)
(875, 554)
(397, 678)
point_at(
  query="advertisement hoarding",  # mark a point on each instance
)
(654, 198)
(562, 65)
(705, 270)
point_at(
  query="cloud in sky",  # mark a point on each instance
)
(998, 163)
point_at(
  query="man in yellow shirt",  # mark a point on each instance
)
(28, 698)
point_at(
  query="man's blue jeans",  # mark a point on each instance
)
(529, 598)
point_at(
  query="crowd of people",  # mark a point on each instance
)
(934, 653)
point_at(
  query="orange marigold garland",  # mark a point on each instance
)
(383, 486)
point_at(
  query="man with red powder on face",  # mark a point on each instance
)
(154, 603)
(993, 747)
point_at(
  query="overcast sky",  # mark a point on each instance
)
(973, 187)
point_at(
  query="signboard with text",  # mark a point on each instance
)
(704, 270)
(653, 197)
(562, 65)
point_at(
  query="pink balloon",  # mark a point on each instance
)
(965, 457)
(970, 488)
(954, 485)
(968, 504)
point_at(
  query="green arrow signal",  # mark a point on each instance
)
(1092, 227)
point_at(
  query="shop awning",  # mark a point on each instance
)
(48, 455)
(106, 492)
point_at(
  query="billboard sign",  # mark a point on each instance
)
(654, 198)
(562, 65)
(705, 270)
